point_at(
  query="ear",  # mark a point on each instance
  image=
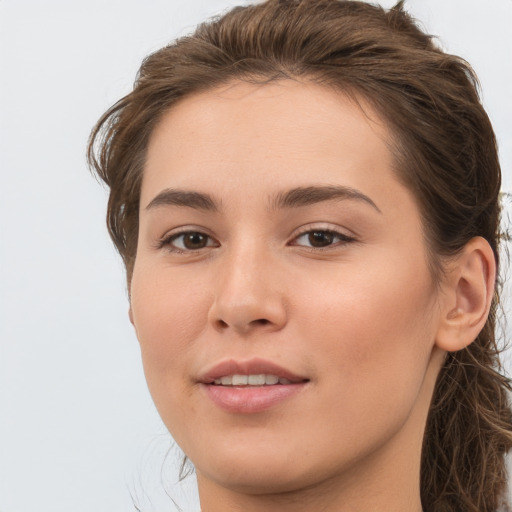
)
(468, 288)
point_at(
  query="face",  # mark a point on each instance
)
(281, 292)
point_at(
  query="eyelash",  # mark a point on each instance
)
(342, 239)
(167, 241)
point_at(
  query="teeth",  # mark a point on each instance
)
(271, 379)
(240, 380)
(250, 380)
(256, 380)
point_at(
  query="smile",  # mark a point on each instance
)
(251, 380)
(252, 372)
(250, 386)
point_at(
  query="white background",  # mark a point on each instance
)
(78, 430)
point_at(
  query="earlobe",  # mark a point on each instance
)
(468, 290)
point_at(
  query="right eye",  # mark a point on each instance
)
(188, 241)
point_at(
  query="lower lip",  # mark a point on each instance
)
(251, 399)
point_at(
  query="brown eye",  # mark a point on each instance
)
(194, 240)
(188, 241)
(320, 238)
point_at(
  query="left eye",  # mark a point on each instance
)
(320, 238)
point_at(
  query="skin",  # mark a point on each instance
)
(361, 318)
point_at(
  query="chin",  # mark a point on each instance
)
(251, 466)
(271, 478)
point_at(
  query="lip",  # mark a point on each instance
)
(250, 399)
(250, 367)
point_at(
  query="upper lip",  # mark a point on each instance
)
(249, 367)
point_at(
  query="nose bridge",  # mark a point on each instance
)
(248, 295)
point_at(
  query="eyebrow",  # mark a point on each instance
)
(175, 197)
(294, 198)
(305, 196)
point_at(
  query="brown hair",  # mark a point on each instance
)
(445, 152)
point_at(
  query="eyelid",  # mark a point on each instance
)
(165, 242)
(345, 237)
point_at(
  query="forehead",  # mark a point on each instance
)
(276, 135)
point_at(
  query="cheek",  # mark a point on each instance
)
(372, 340)
(374, 328)
(169, 315)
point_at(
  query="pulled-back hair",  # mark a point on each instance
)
(445, 153)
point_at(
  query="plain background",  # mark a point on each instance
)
(78, 431)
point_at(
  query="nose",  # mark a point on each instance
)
(249, 294)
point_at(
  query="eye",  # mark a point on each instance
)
(188, 241)
(321, 238)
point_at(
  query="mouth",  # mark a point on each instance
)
(260, 379)
(253, 372)
(252, 386)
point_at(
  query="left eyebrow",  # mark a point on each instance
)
(305, 196)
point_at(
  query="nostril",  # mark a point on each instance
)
(222, 324)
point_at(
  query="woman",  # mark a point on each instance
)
(305, 196)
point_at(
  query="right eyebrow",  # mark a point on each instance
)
(176, 197)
